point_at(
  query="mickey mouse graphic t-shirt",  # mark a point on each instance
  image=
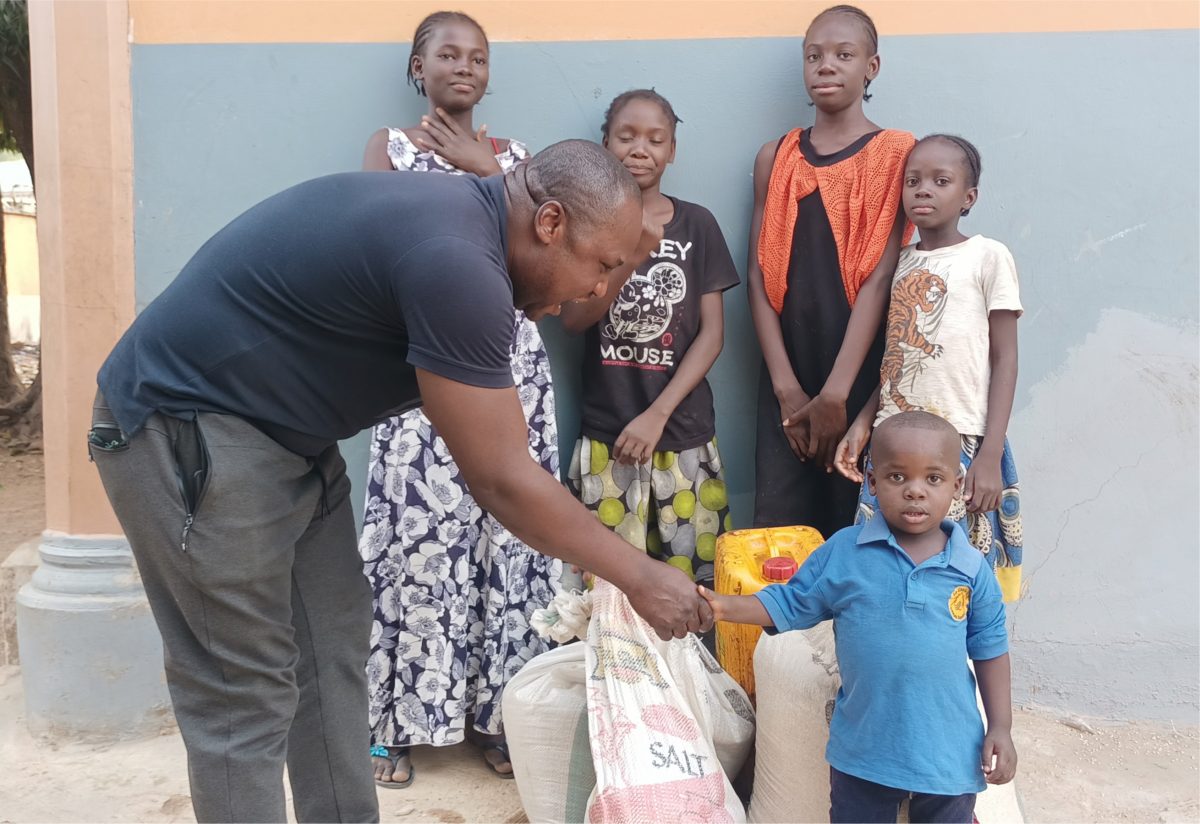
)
(631, 354)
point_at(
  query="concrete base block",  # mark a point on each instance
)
(15, 572)
(91, 655)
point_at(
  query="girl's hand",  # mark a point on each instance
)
(983, 484)
(826, 420)
(791, 401)
(637, 442)
(850, 450)
(469, 152)
(999, 757)
(588, 578)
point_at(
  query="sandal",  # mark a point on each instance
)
(379, 751)
(502, 748)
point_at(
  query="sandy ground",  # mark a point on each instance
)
(1118, 773)
(22, 493)
(146, 780)
(1115, 772)
(22, 499)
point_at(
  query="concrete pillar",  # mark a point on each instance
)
(90, 653)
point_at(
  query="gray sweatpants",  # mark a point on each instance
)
(248, 555)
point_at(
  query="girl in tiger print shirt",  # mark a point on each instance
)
(951, 349)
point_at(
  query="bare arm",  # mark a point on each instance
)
(375, 156)
(826, 414)
(636, 444)
(737, 609)
(486, 434)
(999, 756)
(787, 388)
(983, 484)
(850, 448)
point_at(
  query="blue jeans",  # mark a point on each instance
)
(855, 801)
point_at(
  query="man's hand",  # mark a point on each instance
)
(668, 600)
(999, 758)
(983, 484)
(469, 152)
(637, 441)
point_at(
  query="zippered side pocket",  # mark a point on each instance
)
(192, 467)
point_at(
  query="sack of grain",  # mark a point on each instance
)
(667, 724)
(797, 680)
(545, 722)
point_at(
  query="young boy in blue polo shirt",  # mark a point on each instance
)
(910, 600)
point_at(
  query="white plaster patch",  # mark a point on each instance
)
(1107, 455)
(1093, 246)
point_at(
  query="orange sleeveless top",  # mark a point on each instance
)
(861, 196)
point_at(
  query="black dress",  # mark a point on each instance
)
(813, 321)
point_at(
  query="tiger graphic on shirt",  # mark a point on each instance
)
(918, 299)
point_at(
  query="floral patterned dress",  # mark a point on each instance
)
(454, 590)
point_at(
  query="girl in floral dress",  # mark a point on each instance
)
(454, 589)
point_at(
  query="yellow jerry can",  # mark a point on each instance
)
(747, 560)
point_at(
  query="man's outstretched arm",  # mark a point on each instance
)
(486, 434)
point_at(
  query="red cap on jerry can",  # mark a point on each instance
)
(779, 569)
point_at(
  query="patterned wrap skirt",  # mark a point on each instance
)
(453, 589)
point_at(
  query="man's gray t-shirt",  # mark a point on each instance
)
(308, 314)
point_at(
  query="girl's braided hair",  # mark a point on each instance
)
(620, 100)
(425, 31)
(865, 21)
(972, 162)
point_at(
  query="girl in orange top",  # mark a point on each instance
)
(824, 240)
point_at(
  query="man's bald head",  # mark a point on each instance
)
(586, 179)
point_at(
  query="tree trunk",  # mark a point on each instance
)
(10, 384)
(22, 419)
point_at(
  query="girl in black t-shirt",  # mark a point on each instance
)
(647, 463)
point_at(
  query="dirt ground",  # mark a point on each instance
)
(22, 495)
(1120, 773)
(22, 499)
(146, 780)
(1115, 773)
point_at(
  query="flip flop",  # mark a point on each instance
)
(384, 752)
(502, 748)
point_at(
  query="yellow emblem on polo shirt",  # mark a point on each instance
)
(960, 599)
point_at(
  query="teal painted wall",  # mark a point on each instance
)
(1090, 176)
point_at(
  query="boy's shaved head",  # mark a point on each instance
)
(894, 429)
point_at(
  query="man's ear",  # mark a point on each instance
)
(550, 222)
(871, 480)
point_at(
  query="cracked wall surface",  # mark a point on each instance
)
(1108, 621)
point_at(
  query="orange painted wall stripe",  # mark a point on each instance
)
(390, 21)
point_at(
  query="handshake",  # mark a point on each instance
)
(668, 599)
